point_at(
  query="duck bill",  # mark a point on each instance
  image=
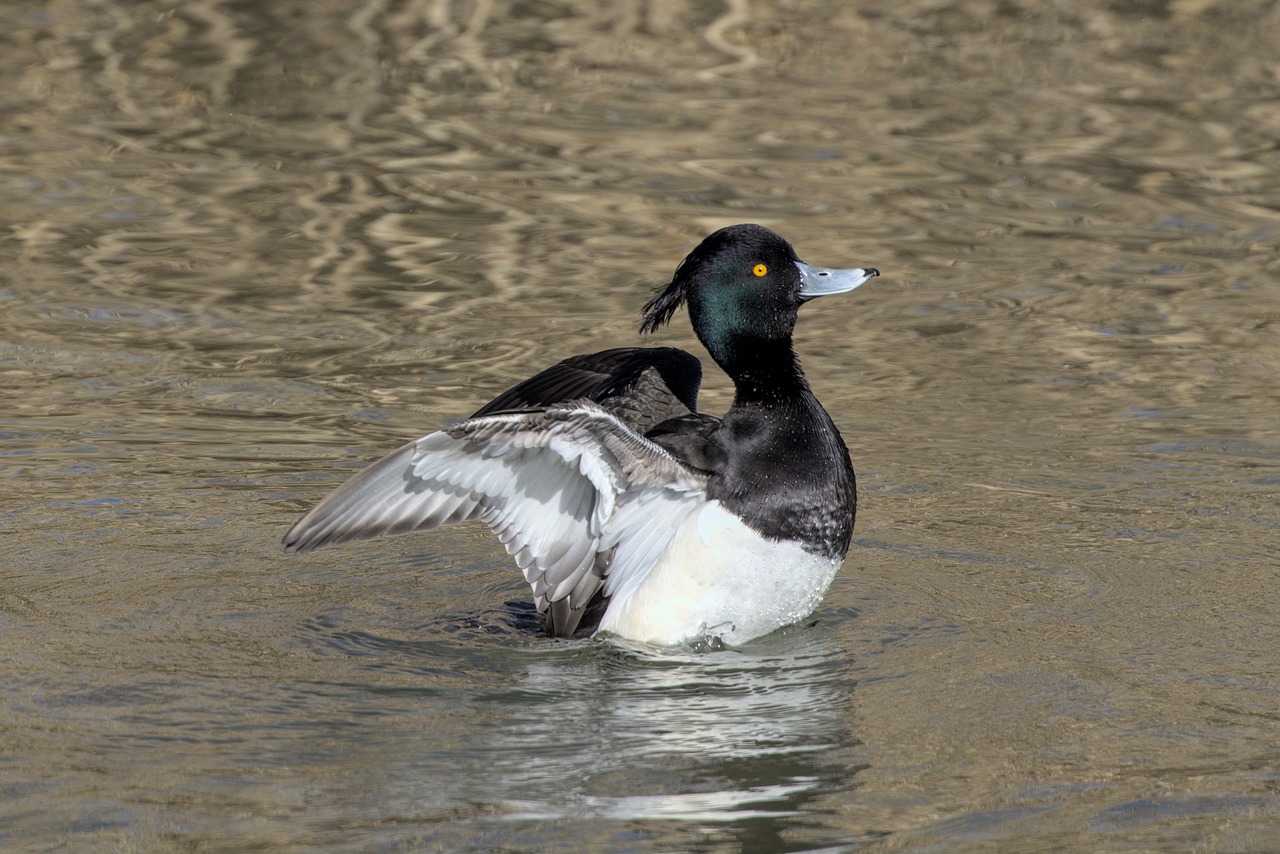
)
(824, 281)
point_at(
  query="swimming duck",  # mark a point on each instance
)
(628, 511)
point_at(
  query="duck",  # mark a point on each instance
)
(630, 513)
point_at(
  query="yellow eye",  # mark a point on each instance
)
(760, 270)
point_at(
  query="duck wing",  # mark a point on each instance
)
(641, 385)
(573, 493)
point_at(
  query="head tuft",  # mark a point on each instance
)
(664, 302)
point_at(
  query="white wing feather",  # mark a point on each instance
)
(561, 488)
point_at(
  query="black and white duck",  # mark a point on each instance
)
(627, 510)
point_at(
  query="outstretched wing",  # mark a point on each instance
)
(548, 483)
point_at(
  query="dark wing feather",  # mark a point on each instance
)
(641, 385)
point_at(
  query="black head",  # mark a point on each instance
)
(744, 286)
(744, 275)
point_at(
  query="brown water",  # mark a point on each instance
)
(248, 247)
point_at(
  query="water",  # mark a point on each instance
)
(250, 247)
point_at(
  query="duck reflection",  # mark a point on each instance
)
(485, 727)
(632, 732)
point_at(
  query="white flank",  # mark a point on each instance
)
(717, 578)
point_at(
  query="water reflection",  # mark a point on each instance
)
(703, 710)
(608, 732)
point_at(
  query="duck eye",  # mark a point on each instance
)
(760, 270)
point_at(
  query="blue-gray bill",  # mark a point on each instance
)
(824, 281)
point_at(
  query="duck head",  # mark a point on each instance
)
(744, 285)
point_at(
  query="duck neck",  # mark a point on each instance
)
(764, 371)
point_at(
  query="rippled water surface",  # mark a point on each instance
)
(248, 247)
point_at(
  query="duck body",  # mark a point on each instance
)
(629, 512)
